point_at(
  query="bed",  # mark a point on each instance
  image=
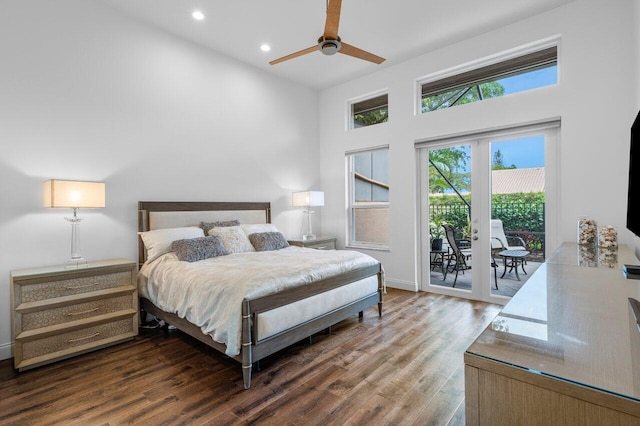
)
(251, 304)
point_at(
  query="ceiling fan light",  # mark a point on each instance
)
(330, 47)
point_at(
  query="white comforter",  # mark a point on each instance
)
(209, 293)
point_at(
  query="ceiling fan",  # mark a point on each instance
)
(329, 43)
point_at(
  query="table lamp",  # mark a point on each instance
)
(74, 195)
(308, 199)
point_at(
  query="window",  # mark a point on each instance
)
(370, 111)
(368, 177)
(526, 72)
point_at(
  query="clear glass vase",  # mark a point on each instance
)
(587, 231)
(607, 237)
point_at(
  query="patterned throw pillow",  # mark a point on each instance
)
(233, 238)
(207, 226)
(267, 241)
(194, 249)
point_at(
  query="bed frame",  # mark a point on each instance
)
(155, 215)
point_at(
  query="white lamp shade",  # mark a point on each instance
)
(308, 199)
(73, 194)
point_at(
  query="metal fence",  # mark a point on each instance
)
(522, 219)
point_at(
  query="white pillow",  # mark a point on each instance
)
(233, 238)
(258, 228)
(158, 241)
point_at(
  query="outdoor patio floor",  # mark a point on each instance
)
(507, 286)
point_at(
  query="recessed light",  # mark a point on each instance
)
(197, 15)
(265, 47)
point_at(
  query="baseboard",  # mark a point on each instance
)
(6, 351)
(401, 284)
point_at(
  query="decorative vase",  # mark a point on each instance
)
(607, 237)
(587, 228)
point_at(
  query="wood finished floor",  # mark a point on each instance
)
(404, 369)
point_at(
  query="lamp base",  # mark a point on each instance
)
(308, 236)
(77, 263)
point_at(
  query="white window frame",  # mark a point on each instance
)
(352, 207)
(553, 41)
(351, 102)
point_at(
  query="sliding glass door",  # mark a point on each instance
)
(486, 210)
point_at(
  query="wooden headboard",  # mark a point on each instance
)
(171, 214)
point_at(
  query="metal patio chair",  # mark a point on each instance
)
(457, 259)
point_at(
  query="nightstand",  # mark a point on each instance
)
(319, 243)
(59, 312)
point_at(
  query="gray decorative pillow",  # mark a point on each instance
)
(267, 241)
(207, 226)
(195, 249)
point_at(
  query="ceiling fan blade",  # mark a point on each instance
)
(294, 55)
(333, 19)
(347, 49)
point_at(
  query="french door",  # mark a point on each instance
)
(470, 181)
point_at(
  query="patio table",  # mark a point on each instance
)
(512, 259)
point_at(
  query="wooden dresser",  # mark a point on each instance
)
(564, 351)
(59, 312)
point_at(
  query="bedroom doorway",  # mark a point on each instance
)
(482, 187)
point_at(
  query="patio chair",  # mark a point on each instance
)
(494, 265)
(500, 241)
(457, 259)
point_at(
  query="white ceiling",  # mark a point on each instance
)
(396, 30)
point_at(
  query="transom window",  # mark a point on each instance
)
(370, 111)
(526, 72)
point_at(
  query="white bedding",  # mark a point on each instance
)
(209, 293)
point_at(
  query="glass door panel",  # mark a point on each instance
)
(517, 211)
(449, 192)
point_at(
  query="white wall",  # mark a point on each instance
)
(595, 101)
(88, 94)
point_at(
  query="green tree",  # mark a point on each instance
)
(462, 95)
(452, 163)
(367, 118)
(497, 163)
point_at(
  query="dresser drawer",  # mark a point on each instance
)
(33, 292)
(35, 350)
(43, 317)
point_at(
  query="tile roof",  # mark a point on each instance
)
(517, 180)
